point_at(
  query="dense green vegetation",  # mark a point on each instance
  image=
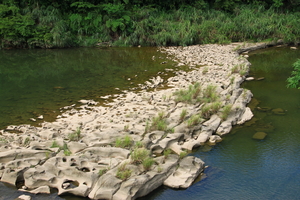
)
(294, 80)
(49, 24)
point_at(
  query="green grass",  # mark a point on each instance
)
(123, 172)
(190, 95)
(124, 142)
(159, 122)
(226, 111)
(139, 155)
(75, 136)
(183, 114)
(194, 120)
(147, 163)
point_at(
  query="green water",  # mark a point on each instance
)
(39, 82)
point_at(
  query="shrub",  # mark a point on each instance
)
(123, 142)
(210, 94)
(294, 79)
(226, 111)
(167, 152)
(138, 155)
(159, 122)
(75, 136)
(193, 120)
(123, 173)
(183, 154)
(138, 144)
(147, 163)
(102, 171)
(183, 114)
(191, 95)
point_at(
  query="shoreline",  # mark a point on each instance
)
(86, 139)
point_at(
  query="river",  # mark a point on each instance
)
(239, 167)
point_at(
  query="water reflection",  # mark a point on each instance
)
(39, 82)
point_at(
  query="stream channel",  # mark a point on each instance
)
(39, 82)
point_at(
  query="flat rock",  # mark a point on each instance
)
(189, 169)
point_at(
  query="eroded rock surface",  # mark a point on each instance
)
(88, 151)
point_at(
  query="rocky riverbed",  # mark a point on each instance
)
(140, 140)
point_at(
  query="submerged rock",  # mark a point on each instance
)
(278, 111)
(259, 135)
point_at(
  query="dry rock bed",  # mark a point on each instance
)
(140, 140)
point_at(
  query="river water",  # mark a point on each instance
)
(239, 167)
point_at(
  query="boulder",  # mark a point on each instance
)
(246, 116)
(189, 169)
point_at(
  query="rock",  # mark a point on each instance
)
(212, 124)
(249, 79)
(246, 116)
(293, 48)
(263, 109)
(214, 139)
(39, 190)
(189, 169)
(224, 128)
(24, 197)
(259, 135)
(278, 111)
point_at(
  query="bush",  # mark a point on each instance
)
(191, 95)
(294, 80)
(138, 155)
(125, 142)
(147, 163)
(123, 173)
(159, 122)
(226, 111)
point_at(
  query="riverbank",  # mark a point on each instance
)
(121, 151)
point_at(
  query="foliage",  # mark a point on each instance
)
(159, 122)
(139, 155)
(167, 152)
(226, 111)
(125, 142)
(75, 136)
(102, 171)
(294, 80)
(183, 114)
(123, 173)
(50, 24)
(193, 120)
(191, 95)
(147, 163)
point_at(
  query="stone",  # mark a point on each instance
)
(249, 79)
(259, 135)
(24, 197)
(189, 169)
(246, 116)
(278, 111)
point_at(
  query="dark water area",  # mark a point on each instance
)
(239, 167)
(243, 168)
(39, 82)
